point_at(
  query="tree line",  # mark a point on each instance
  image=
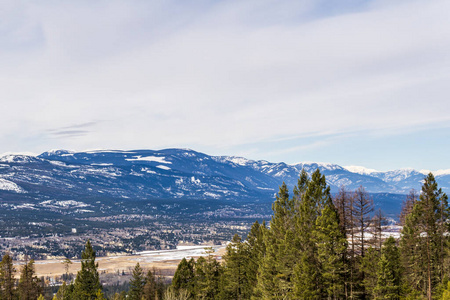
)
(323, 247)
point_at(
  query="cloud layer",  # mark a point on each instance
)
(231, 77)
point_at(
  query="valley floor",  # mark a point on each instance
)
(111, 268)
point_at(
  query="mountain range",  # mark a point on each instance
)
(178, 174)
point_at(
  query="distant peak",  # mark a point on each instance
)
(324, 165)
(436, 173)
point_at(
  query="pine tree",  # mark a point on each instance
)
(87, 282)
(413, 254)
(150, 290)
(136, 283)
(237, 278)
(207, 276)
(256, 250)
(425, 239)
(331, 249)
(99, 295)
(28, 288)
(7, 280)
(308, 280)
(369, 265)
(389, 272)
(63, 292)
(183, 278)
(276, 268)
(446, 293)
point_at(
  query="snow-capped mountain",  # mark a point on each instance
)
(178, 174)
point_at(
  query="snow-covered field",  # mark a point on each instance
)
(160, 259)
(175, 254)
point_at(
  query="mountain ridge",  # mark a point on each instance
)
(184, 173)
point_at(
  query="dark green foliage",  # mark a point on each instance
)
(331, 250)
(321, 268)
(207, 277)
(29, 288)
(238, 276)
(389, 272)
(306, 247)
(153, 287)
(87, 284)
(7, 278)
(369, 265)
(136, 283)
(276, 269)
(425, 240)
(184, 277)
(63, 292)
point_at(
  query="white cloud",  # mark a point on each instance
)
(159, 74)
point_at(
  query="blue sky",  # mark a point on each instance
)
(348, 82)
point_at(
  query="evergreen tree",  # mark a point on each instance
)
(446, 293)
(369, 265)
(276, 268)
(237, 277)
(256, 250)
(389, 272)
(150, 289)
(331, 250)
(87, 282)
(7, 280)
(136, 283)
(207, 279)
(99, 295)
(28, 288)
(308, 280)
(425, 239)
(62, 293)
(183, 278)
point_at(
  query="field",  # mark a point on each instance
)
(165, 261)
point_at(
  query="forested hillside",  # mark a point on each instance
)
(317, 247)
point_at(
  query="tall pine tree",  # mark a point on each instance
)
(425, 239)
(29, 288)
(7, 280)
(87, 283)
(136, 283)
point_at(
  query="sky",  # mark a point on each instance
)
(350, 82)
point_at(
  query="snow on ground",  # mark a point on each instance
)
(175, 254)
(7, 185)
(63, 203)
(158, 159)
(163, 167)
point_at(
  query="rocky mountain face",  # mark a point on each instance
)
(177, 174)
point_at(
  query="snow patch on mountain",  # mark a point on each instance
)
(158, 159)
(17, 158)
(7, 185)
(360, 170)
(441, 172)
(163, 167)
